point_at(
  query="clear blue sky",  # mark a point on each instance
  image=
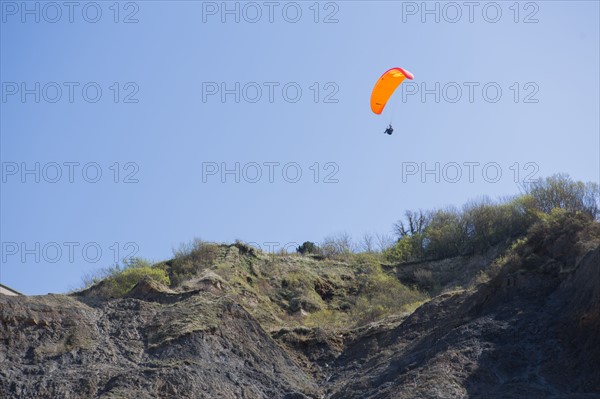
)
(177, 52)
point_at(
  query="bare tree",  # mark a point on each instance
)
(338, 244)
(414, 223)
(384, 241)
(368, 243)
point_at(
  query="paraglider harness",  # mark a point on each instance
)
(389, 130)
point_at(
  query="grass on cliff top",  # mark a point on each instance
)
(294, 290)
(279, 290)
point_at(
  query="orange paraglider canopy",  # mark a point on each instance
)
(385, 86)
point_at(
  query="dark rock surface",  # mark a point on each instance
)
(522, 335)
(202, 346)
(532, 331)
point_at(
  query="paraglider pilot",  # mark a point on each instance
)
(389, 130)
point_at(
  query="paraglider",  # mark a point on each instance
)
(385, 87)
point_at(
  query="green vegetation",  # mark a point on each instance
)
(382, 294)
(308, 248)
(562, 192)
(118, 280)
(482, 224)
(545, 246)
(121, 283)
(279, 290)
(190, 259)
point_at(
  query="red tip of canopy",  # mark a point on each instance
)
(406, 73)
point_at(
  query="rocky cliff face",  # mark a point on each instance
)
(532, 331)
(523, 335)
(189, 346)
